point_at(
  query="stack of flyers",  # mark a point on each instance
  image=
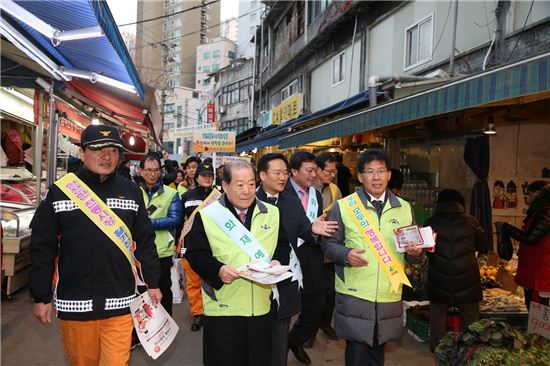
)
(262, 272)
(413, 235)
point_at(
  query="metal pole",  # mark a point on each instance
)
(38, 137)
(53, 129)
(453, 43)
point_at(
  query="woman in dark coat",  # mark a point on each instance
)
(453, 272)
(534, 250)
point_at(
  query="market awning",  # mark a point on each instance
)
(76, 38)
(519, 79)
(272, 136)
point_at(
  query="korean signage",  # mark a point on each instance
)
(188, 131)
(289, 109)
(211, 112)
(266, 119)
(214, 141)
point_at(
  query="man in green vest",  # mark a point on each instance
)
(226, 235)
(369, 270)
(164, 209)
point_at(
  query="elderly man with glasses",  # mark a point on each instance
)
(164, 209)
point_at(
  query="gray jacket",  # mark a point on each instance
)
(355, 318)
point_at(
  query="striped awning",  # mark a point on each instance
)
(522, 78)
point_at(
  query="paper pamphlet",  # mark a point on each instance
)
(262, 272)
(421, 237)
(154, 326)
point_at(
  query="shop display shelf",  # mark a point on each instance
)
(515, 320)
(419, 327)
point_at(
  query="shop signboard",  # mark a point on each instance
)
(211, 112)
(214, 141)
(188, 131)
(289, 109)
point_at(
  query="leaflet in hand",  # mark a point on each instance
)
(155, 328)
(262, 272)
(413, 235)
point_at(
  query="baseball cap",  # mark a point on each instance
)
(205, 169)
(97, 137)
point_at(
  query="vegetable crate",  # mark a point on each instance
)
(516, 321)
(419, 327)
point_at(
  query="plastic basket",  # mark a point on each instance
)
(419, 327)
(516, 321)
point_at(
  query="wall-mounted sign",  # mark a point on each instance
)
(214, 141)
(289, 109)
(266, 119)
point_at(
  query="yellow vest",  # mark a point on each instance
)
(370, 282)
(162, 202)
(241, 297)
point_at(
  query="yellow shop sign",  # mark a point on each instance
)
(289, 109)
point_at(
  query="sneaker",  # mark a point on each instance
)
(197, 323)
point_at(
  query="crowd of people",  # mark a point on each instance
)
(299, 212)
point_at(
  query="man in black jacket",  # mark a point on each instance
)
(301, 186)
(273, 172)
(236, 311)
(94, 282)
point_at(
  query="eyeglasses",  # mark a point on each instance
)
(371, 173)
(331, 172)
(151, 171)
(279, 173)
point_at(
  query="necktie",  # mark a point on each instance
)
(272, 200)
(378, 206)
(304, 198)
(242, 217)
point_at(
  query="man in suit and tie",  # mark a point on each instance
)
(301, 185)
(273, 173)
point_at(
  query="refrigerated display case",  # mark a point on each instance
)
(16, 261)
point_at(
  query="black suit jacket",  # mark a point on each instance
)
(309, 253)
(295, 225)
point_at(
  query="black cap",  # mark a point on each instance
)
(205, 169)
(97, 137)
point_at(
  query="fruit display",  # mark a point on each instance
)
(490, 343)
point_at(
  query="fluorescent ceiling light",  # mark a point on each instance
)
(20, 95)
(54, 34)
(94, 77)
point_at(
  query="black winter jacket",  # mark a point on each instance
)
(94, 278)
(453, 274)
(539, 216)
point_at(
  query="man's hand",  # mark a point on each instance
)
(155, 294)
(228, 274)
(355, 258)
(274, 263)
(322, 227)
(413, 250)
(42, 312)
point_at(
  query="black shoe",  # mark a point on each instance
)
(197, 323)
(330, 332)
(299, 352)
(310, 342)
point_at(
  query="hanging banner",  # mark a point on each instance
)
(216, 141)
(211, 112)
(188, 131)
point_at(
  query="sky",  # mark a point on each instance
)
(124, 11)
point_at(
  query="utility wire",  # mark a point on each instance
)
(168, 15)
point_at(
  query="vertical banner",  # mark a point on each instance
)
(211, 112)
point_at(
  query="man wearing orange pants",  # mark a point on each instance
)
(191, 200)
(95, 274)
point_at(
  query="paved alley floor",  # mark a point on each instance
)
(27, 342)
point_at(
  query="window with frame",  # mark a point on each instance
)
(338, 68)
(237, 125)
(206, 55)
(169, 108)
(206, 68)
(295, 86)
(216, 54)
(236, 92)
(215, 67)
(315, 8)
(195, 95)
(418, 42)
(168, 146)
(231, 54)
